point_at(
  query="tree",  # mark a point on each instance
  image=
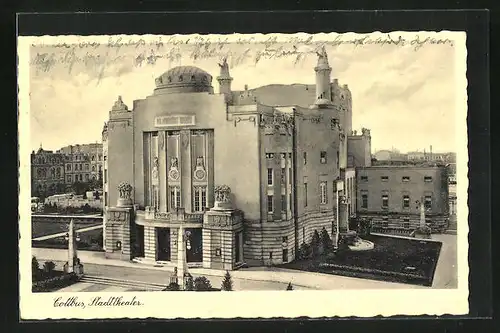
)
(202, 284)
(35, 267)
(227, 283)
(326, 241)
(289, 287)
(48, 267)
(315, 242)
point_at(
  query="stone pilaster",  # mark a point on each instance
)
(119, 221)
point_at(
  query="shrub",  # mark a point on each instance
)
(315, 243)
(48, 267)
(189, 283)
(304, 251)
(202, 284)
(173, 286)
(289, 287)
(227, 283)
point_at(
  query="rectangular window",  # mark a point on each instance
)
(269, 176)
(385, 201)
(270, 204)
(406, 223)
(305, 158)
(322, 158)
(283, 176)
(86, 177)
(384, 178)
(405, 179)
(406, 201)
(364, 201)
(69, 179)
(305, 194)
(285, 239)
(323, 193)
(105, 176)
(68, 167)
(197, 199)
(427, 179)
(175, 197)
(338, 159)
(364, 178)
(385, 222)
(428, 202)
(289, 175)
(283, 203)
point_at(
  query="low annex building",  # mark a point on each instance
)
(248, 174)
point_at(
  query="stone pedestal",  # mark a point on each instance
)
(343, 218)
(220, 228)
(118, 225)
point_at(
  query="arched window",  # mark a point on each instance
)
(93, 158)
(93, 168)
(193, 78)
(180, 78)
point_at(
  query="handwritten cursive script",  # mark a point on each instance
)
(98, 301)
(118, 55)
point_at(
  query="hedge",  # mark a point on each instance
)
(55, 282)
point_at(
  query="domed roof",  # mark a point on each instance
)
(185, 79)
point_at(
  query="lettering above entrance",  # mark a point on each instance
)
(175, 121)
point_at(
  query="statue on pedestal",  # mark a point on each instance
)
(222, 197)
(125, 192)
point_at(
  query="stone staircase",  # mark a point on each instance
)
(122, 283)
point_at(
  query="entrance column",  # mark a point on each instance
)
(186, 173)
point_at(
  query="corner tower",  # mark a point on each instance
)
(225, 80)
(323, 72)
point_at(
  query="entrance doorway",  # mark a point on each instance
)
(163, 244)
(138, 250)
(195, 251)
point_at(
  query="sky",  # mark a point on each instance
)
(404, 94)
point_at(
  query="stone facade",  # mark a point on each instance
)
(247, 176)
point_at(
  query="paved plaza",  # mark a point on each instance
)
(254, 278)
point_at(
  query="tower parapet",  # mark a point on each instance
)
(225, 80)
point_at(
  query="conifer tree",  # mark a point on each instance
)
(227, 283)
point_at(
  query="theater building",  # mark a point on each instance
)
(248, 174)
(391, 195)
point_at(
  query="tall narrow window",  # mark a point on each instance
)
(338, 159)
(322, 158)
(305, 158)
(283, 203)
(203, 199)
(385, 201)
(364, 201)
(269, 176)
(200, 198)
(175, 197)
(270, 207)
(323, 193)
(290, 200)
(406, 201)
(290, 175)
(428, 179)
(305, 194)
(283, 176)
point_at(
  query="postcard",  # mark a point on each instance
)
(243, 175)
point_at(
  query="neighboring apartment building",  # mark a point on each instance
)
(83, 162)
(390, 196)
(282, 149)
(47, 172)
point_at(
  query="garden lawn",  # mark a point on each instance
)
(392, 259)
